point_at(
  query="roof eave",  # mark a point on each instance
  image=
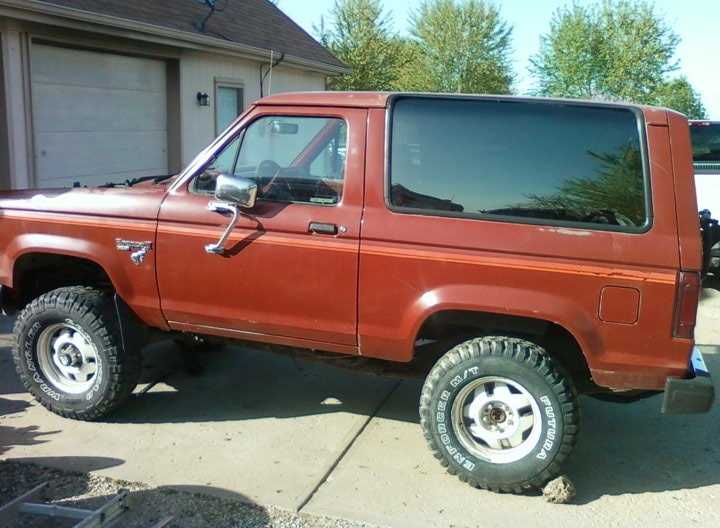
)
(174, 36)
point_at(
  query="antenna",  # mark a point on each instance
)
(264, 74)
(212, 5)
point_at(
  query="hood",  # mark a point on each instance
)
(141, 201)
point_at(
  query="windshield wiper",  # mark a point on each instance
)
(154, 179)
(160, 179)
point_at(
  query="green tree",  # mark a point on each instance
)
(614, 49)
(679, 95)
(359, 34)
(616, 192)
(411, 75)
(459, 46)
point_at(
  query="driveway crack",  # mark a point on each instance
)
(347, 448)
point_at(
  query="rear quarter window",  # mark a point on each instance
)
(706, 142)
(533, 162)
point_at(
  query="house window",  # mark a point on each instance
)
(228, 105)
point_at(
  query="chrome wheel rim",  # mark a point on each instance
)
(67, 358)
(496, 419)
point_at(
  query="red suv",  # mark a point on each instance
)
(548, 248)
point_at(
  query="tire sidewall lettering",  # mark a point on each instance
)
(27, 343)
(550, 433)
(456, 454)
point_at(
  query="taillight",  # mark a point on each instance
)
(686, 304)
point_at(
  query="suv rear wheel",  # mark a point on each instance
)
(497, 413)
(69, 355)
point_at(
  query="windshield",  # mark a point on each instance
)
(705, 142)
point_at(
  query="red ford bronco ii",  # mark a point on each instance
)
(552, 247)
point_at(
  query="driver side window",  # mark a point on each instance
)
(292, 159)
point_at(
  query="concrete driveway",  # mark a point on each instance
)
(328, 441)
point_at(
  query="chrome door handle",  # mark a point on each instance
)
(223, 208)
(323, 229)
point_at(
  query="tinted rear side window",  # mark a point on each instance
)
(536, 162)
(705, 142)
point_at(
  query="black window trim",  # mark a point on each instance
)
(584, 226)
(238, 132)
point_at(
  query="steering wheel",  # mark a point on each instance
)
(269, 169)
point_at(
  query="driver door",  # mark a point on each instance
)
(290, 270)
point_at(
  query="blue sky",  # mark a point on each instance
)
(695, 21)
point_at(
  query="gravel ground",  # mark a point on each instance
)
(147, 505)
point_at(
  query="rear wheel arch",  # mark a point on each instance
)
(456, 325)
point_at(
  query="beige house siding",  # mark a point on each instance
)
(191, 127)
(4, 150)
(18, 144)
(200, 72)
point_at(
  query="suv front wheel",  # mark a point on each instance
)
(69, 354)
(497, 413)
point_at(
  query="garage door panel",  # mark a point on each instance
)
(97, 117)
(73, 67)
(77, 156)
(96, 109)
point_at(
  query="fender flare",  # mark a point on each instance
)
(503, 300)
(30, 243)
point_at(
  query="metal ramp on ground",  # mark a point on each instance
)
(103, 517)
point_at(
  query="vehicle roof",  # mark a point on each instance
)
(380, 99)
(358, 99)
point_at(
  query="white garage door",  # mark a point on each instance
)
(97, 117)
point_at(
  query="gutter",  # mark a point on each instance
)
(25, 9)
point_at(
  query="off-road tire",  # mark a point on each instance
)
(92, 311)
(520, 361)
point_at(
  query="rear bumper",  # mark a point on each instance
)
(692, 395)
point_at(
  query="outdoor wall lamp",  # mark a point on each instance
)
(203, 99)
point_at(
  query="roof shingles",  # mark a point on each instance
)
(256, 23)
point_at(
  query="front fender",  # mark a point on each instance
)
(38, 243)
(135, 284)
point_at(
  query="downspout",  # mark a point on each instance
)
(264, 76)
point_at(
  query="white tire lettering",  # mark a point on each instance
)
(551, 432)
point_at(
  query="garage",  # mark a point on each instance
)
(97, 117)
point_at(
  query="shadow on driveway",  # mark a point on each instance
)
(18, 436)
(623, 448)
(245, 383)
(9, 382)
(6, 324)
(711, 282)
(633, 449)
